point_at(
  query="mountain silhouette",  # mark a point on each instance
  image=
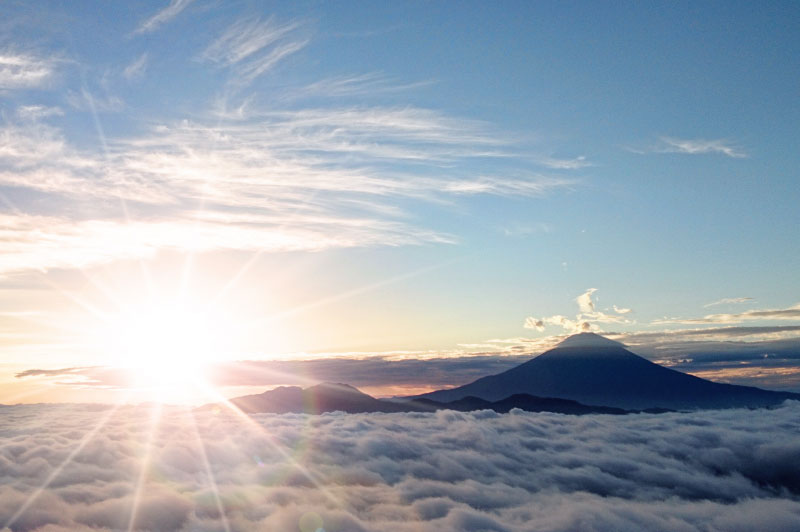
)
(591, 369)
(325, 397)
(332, 397)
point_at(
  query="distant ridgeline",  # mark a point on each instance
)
(584, 374)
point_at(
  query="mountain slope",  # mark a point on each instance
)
(330, 397)
(594, 370)
(325, 397)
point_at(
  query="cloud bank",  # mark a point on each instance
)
(714, 470)
(767, 357)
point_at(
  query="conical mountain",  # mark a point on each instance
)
(594, 370)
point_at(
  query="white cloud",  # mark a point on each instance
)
(699, 147)
(729, 301)
(308, 179)
(362, 85)
(174, 8)
(586, 320)
(252, 47)
(584, 301)
(24, 70)
(136, 69)
(565, 164)
(446, 471)
(42, 242)
(37, 112)
(791, 313)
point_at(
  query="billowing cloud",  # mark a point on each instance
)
(162, 17)
(76, 468)
(584, 301)
(587, 319)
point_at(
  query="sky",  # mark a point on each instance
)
(423, 190)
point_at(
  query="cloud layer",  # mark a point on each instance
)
(407, 472)
(308, 179)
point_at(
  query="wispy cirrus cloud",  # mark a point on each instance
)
(700, 146)
(729, 301)
(45, 242)
(252, 47)
(136, 69)
(253, 178)
(174, 8)
(361, 85)
(790, 313)
(291, 180)
(694, 147)
(565, 164)
(22, 70)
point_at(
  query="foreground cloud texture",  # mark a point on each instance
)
(73, 468)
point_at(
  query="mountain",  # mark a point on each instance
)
(594, 370)
(325, 397)
(331, 397)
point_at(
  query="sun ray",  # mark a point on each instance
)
(348, 294)
(154, 424)
(211, 479)
(57, 471)
(251, 424)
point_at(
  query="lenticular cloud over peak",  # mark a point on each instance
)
(77, 468)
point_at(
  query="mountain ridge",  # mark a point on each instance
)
(333, 397)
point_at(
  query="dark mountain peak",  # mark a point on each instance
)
(588, 339)
(594, 370)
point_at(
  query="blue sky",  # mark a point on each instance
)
(385, 176)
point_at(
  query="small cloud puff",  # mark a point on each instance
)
(444, 471)
(585, 321)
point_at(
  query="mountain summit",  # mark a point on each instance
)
(594, 370)
(588, 339)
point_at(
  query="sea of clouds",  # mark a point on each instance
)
(77, 468)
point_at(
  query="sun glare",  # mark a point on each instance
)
(166, 349)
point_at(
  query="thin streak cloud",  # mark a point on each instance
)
(260, 179)
(790, 313)
(136, 69)
(174, 9)
(700, 147)
(729, 301)
(251, 48)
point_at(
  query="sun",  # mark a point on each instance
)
(167, 348)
